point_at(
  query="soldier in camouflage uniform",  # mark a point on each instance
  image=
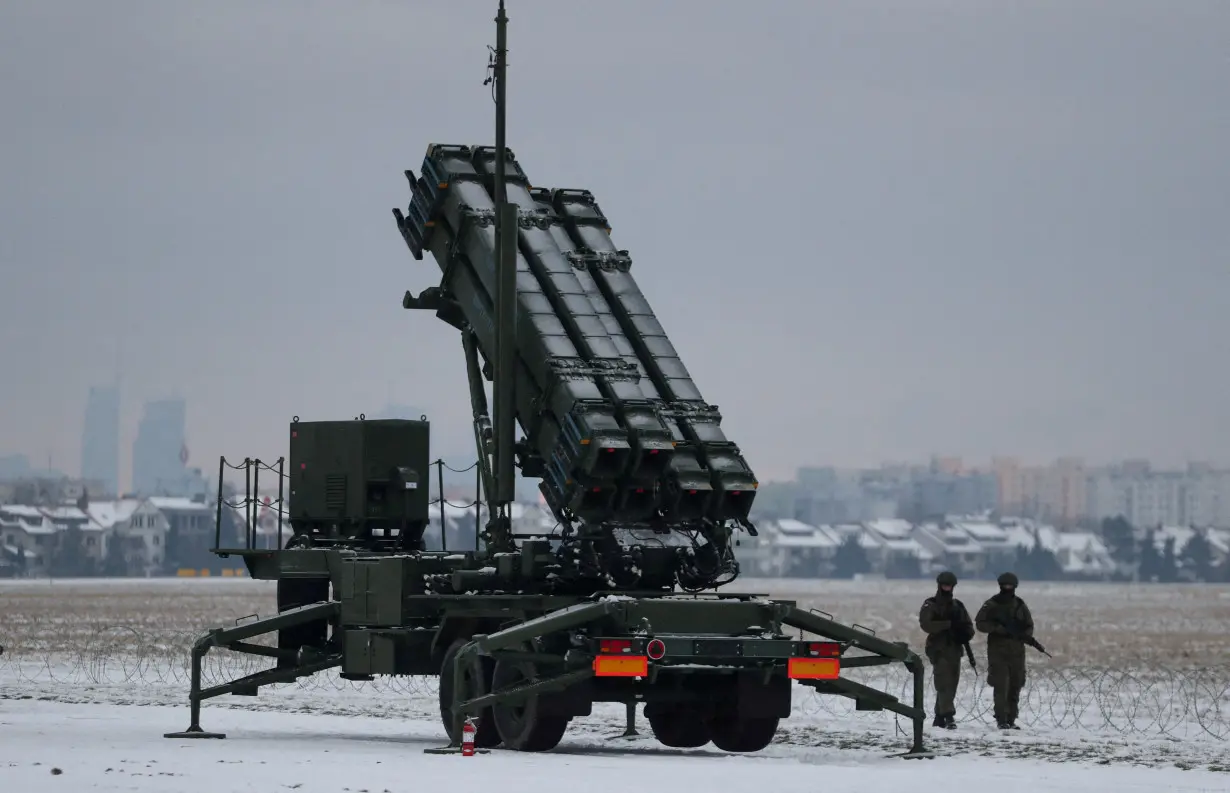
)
(949, 628)
(1006, 620)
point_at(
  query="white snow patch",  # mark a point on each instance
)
(121, 748)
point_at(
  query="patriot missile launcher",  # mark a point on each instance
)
(527, 630)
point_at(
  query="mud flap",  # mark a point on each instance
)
(758, 700)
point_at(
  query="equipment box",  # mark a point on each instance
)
(374, 591)
(351, 472)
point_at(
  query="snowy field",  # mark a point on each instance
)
(1137, 696)
(116, 748)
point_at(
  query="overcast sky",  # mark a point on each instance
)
(874, 230)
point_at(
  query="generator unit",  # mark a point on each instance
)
(363, 480)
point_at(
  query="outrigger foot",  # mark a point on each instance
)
(630, 725)
(916, 752)
(194, 731)
(922, 754)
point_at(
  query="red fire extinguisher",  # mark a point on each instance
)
(467, 739)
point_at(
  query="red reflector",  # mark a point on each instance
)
(609, 451)
(621, 666)
(640, 490)
(824, 649)
(655, 649)
(653, 451)
(691, 492)
(813, 668)
(735, 492)
(597, 490)
(615, 646)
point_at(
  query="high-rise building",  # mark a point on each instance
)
(100, 439)
(159, 450)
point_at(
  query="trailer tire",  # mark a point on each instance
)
(523, 727)
(734, 734)
(476, 684)
(678, 726)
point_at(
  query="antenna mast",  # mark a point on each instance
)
(506, 292)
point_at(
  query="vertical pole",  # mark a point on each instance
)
(440, 486)
(919, 689)
(281, 504)
(506, 234)
(256, 494)
(218, 511)
(247, 501)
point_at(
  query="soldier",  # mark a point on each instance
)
(949, 629)
(1006, 620)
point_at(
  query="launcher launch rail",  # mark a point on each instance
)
(614, 425)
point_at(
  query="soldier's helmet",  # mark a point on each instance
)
(946, 578)
(1008, 579)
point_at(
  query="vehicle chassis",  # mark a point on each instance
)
(716, 659)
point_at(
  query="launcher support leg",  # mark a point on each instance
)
(234, 639)
(194, 697)
(917, 750)
(630, 723)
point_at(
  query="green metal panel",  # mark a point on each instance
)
(386, 594)
(369, 653)
(703, 615)
(374, 591)
(356, 658)
(354, 471)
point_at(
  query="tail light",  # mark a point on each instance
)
(823, 650)
(615, 646)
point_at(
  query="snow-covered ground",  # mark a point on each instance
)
(48, 746)
(1141, 734)
(96, 672)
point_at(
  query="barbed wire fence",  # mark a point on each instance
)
(1124, 699)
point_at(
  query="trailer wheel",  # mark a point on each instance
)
(734, 734)
(522, 726)
(678, 726)
(475, 683)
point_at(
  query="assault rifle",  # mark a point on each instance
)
(964, 639)
(1014, 630)
(1034, 643)
(970, 655)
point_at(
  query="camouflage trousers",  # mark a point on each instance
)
(1006, 677)
(945, 676)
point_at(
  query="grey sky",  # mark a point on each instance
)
(873, 230)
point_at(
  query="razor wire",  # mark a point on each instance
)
(1125, 699)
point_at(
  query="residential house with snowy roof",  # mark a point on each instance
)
(1081, 554)
(953, 548)
(997, 543)
(899, 554)
(135, 535)
(190, 530)
(797, 549)
(872, 545)
(27, 540)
